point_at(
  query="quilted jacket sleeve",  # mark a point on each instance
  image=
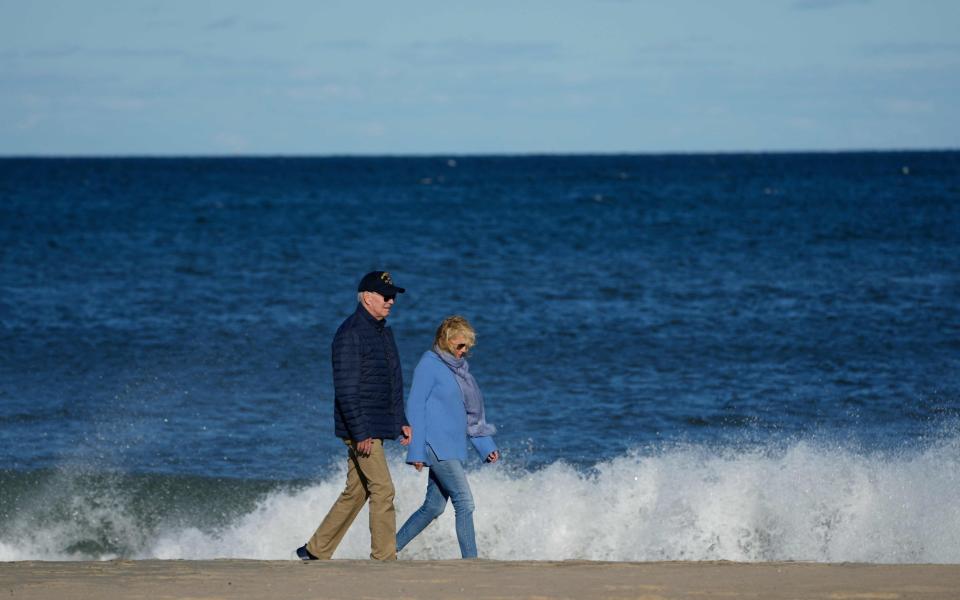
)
(396, 399)
(346, 384)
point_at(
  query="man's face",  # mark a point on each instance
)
(377, 305)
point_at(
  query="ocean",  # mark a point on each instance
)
(741, 357)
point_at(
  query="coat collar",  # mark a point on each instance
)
(378, 325)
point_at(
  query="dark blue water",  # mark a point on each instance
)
(173, 317)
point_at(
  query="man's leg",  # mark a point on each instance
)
(383, 517)
(335, 525)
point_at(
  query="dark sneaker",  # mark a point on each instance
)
(304, 554)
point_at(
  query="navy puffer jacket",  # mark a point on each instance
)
(367, 380)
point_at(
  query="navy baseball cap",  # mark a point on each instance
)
(380, 282)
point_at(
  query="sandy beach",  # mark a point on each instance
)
(474, 579)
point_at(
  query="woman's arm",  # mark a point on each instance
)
(485, 447)
(416, 410)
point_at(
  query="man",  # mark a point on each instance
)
(368, 409)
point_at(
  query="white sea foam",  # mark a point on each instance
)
(804, 502)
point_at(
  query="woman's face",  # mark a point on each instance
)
(459, 346)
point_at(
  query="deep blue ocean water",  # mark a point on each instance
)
(751, 356)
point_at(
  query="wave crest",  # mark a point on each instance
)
(801, 502)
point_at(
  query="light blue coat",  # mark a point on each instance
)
(436, 413)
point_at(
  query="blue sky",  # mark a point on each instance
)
(318, 77)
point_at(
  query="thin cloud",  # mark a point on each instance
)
(341, 45)
(324, 92)
(373, 129)
(696, 43)
(245, 25)
(29, 122)
(908, 106)
(224, 23)
(232, 142)
(60, 52)
(914, 48)
(122, 104)
(694, 52)
(45, 53)
(156, 53)
(463, 52)
(826, 4)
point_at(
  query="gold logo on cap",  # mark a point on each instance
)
(385, 277)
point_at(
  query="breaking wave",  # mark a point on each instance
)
(801, 501)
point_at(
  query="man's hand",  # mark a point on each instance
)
(407, 432)
(418, 466)
(493, 456)
(365, 447)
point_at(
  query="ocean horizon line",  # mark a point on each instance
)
(461, 154)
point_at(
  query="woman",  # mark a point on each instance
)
(445, 408)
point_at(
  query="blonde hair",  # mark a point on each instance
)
(452, 327)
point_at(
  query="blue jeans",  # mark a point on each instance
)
(447, 480)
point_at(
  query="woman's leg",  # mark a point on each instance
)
(452, 481)
(432, 507)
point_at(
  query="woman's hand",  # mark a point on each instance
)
(407, 432)
(493, 456)
(418, 466)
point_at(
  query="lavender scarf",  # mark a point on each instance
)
(472, 398)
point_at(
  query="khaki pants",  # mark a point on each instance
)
(367, 477)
